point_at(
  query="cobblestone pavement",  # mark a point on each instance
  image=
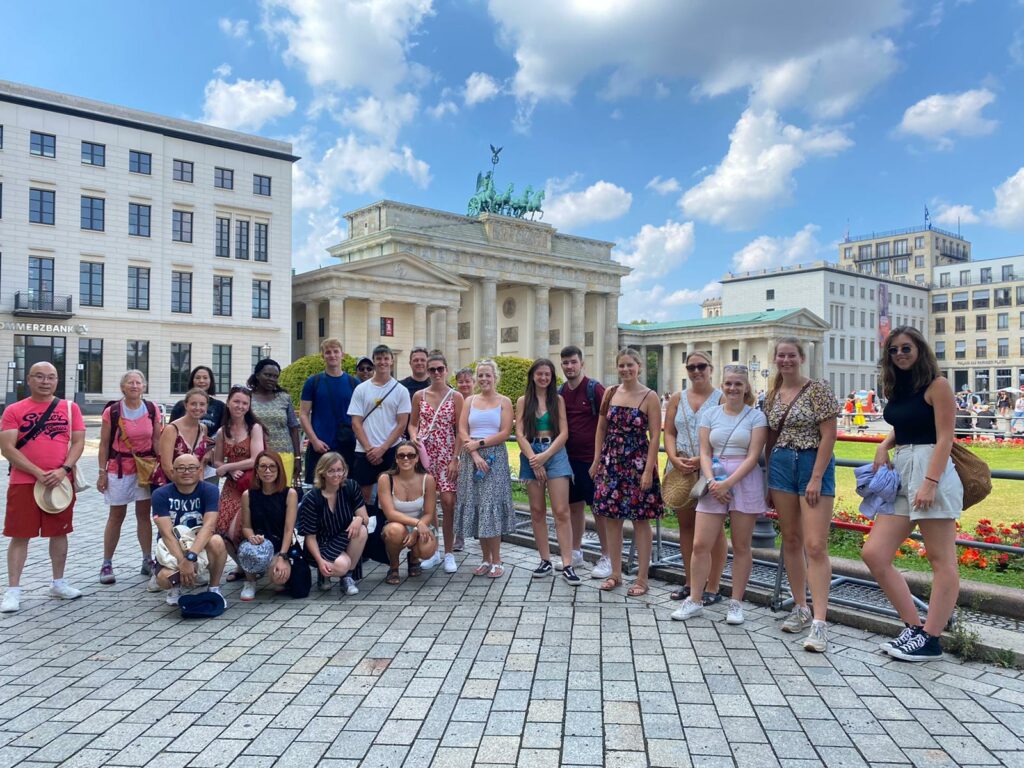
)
(453, 670)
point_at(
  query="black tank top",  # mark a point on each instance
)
(267, 514)
(911, 418)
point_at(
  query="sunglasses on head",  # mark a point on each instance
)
(906, 349)
(241, 388)
(696, 367)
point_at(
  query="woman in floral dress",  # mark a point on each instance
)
(239, 442)
(434, 426)
(625, 469)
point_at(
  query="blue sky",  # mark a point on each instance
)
(700, 136)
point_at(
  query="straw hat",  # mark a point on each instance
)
(54, 500)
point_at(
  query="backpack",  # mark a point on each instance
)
(115, 415)
(591, 395)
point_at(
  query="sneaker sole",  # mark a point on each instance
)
(733, 622)
(688, 616)
(812, 648)
(107, 582)
(796, 630)
(896, 653)
(574, 583)
(541, 575)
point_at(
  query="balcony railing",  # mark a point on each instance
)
(38, 303)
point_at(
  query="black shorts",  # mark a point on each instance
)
(582, 486)
(365, 473)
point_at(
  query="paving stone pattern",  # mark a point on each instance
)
(460, 670)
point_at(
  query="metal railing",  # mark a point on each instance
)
(34, 301)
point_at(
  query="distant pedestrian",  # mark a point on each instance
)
(418, 380)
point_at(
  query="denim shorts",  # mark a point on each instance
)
(790, 470)
(556, 466)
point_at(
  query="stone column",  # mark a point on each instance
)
(611, 337)
(488, 317)
(716, 357)
(451, 337)
(311, 331)
(336, 319)
(372, 325)
(419, 325)
(744, 353)
(577, 323)
(679, 364)
(664, 370)
(541, 338)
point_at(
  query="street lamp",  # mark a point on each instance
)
(265, 350)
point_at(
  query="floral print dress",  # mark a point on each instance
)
(231, 495)
(439, 442)
(617, 491)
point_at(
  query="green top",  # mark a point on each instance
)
(544, 422)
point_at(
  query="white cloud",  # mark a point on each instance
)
(632, 45)
(663, 186)
(245, 104)
(442, 108)
(659, 304)
(382, 117)
(480, 87)
(654, 252)
(950, 215)
(1009, 210)
(602, 201)
(940, 115)
(349, 45)
(1016, 49)
(239, 30)
(756, 174)
(935, 16)
(324, 228)
(768, 252)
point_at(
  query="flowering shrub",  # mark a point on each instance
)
(988, 442)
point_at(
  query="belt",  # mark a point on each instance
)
(542, 440)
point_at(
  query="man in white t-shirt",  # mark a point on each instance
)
(380, 409)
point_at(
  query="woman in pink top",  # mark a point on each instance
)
(135, 429)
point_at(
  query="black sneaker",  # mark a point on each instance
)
(907, 633)
(920, 647)
(569, 574)
(710, 598)
(542, 570)
(323, 583)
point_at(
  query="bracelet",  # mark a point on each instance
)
(932, 479)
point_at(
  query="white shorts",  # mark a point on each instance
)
(911, 462)
(123, 490)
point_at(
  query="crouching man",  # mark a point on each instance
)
(190, 502)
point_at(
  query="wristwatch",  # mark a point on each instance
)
(66, 468)
(481, 443)
(191, 556)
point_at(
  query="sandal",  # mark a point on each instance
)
(610, 583)
(482, 569)
(497, 571)
(680, 594)
(637, 589)
(393, 577)
(414, 568)
(235, 576)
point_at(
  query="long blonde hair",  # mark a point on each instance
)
(773, 390)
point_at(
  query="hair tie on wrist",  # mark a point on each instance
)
(932, 479)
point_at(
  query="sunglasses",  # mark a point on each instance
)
(438, 369)
(906, 349)
(365, 368)
(405, 456)
(696, 367)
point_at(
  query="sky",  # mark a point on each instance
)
(699, 136)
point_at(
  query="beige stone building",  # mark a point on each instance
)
(471, 286)
(908, 254)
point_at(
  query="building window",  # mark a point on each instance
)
(864, 252)
(960, 351)
(863, 319)
(1004, 378)
(842, 289)
(981, 348)
(183, 171)
(92, 213)
(1003, 321)
(223, 178)
(90, 284)
(959, 300)
(871, 319)
(41, 205)
(222, 246)
(981, 322)
(298, 330)
(965, 277)
(882, 251)
(260, 185)
(139, 219)
(138, 356)
(40, 281)
(255, 355)
(241, 239)
(769, 295)
(940, 302)
(899, 247)
(138, 287)
(90, 363)
(848, 252)
(94, 154)
(221, 296)
(140, 162)
(181, 292)
(1007, 272)
(940, 325)
(1003, 347)
(986, 275)
(322, 331)
(222, 363)
(1, 137)
(883, 267)
(259, 245)
(960, 323)
(1003, 297)
(901, 266)
(865, 269)
(940, 350)
(43, 144)
(261, 299)
(918, 242)
(919, 261)
(181, 226)
(181, 366)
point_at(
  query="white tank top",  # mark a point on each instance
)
(484, 423)
(413, 508)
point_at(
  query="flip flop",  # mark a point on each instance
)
(414, 569)
(482, 569)
(497, 571)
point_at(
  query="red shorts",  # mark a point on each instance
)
(25, 520)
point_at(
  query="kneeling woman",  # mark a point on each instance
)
(732, 436)
(269, 510)
(408, 497)
(333, 521)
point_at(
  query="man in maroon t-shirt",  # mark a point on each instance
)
(582, 401)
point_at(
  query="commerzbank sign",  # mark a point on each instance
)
(80, 329)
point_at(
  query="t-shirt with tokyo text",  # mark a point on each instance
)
(185, 509)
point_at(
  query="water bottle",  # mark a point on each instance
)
(717, 470)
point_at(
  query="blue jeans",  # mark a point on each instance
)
(790, 470)
(556, 466)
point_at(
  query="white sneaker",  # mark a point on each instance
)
(817, 640)
(348, 586)
(64, 591)
(577, 558)
(735, 613)
(152, 585)
(687, 610)
(12, 601)
(172, 595)
(431, 562)
(248, 591)
(450, 566)
(603, 569)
